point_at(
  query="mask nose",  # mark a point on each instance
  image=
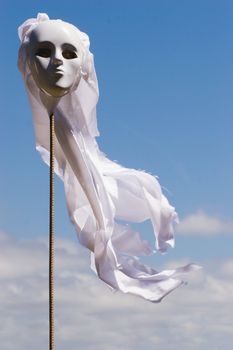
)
(57, 61)
(57, 58)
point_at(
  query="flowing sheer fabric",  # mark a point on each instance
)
(119, 194)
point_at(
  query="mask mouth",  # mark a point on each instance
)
(60, 71)
(56, 75)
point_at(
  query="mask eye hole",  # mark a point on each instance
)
(69, 54)
(43, 52)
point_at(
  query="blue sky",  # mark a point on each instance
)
(165, 77)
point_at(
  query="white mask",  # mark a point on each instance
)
(55, 56)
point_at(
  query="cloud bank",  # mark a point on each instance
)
(90, 316)
(203, 224)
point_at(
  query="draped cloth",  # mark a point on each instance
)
(122, 195)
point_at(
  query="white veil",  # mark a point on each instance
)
(123, 194)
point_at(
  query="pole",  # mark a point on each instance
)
(51, 237)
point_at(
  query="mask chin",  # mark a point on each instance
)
(55, 92)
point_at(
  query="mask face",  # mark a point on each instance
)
(55, 57)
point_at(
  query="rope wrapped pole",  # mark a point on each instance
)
(51, 237)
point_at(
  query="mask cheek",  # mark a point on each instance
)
(41, 63)
(75, 70)
(38, 73)
(38, 66)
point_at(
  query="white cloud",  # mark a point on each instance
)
(89, 316)
(227, 268)
(202, 224)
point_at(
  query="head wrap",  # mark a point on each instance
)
(123, 195)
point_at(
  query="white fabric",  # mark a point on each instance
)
(122, 194)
